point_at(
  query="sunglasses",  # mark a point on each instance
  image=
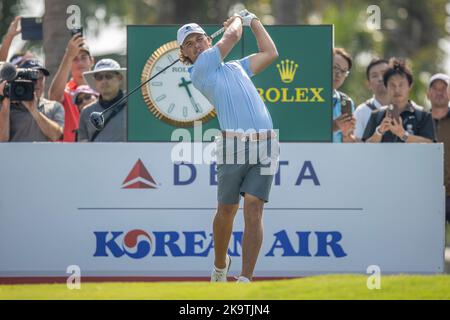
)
(82, 98)
(107, 76)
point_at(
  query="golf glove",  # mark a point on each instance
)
(247, 17)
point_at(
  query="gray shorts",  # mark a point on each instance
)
(236, 179)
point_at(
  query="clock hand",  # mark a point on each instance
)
(185, 84)
(195, 105)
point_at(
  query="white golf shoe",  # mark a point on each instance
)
(242, 279)
(221, 276)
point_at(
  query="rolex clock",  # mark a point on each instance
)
(171, 96)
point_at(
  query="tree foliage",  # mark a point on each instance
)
(409, 29)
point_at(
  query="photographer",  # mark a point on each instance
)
(76, 61)
(403, 120)
(35, 120)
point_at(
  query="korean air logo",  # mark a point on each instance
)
(136, 244)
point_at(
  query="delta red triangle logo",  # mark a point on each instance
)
(139, 178)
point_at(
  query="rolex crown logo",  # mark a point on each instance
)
(287, 70)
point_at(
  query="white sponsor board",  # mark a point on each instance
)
(125, 209)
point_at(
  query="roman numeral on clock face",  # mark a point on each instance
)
(161, 97)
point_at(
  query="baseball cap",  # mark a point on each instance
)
(186, 30)
(84, 89)
(34, 64)
(439, 76)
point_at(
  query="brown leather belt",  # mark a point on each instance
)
(254, 136)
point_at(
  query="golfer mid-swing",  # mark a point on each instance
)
(240, 110)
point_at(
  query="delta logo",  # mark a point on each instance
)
(185, 174)
(287, 70)
(139, 178)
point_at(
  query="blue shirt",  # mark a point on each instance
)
(231, 91)
(337, 136)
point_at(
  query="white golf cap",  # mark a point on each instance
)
(439, 76)
(186, 30)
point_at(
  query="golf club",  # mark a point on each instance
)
(97, 118)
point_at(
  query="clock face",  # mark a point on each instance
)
(171, 96)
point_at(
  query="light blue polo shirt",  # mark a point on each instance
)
(231, 91)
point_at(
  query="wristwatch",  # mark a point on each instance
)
(405, 136)
(377, 131)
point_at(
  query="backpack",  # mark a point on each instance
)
(371, 105)
(417, 113)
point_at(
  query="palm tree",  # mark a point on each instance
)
(286, 11)
(8, 10)
(56, 34)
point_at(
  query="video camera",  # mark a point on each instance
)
(20, 86)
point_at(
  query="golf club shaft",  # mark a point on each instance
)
(218, 32)
(215, 34)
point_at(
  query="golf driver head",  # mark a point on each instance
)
(97, 120)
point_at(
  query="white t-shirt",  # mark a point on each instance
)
(362, 115)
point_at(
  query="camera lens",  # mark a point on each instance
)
(19, 91)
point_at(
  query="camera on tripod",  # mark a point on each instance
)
(20, 82)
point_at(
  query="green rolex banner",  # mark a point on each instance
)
(296, 88)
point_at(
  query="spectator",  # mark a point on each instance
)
(13, 31)
(77, 60)
(84, 96)
(343, 106)
(36, 120)
(403, 120)
(439, 96)
(109, 80)
(374, 74)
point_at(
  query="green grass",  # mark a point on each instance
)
(317, 287)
